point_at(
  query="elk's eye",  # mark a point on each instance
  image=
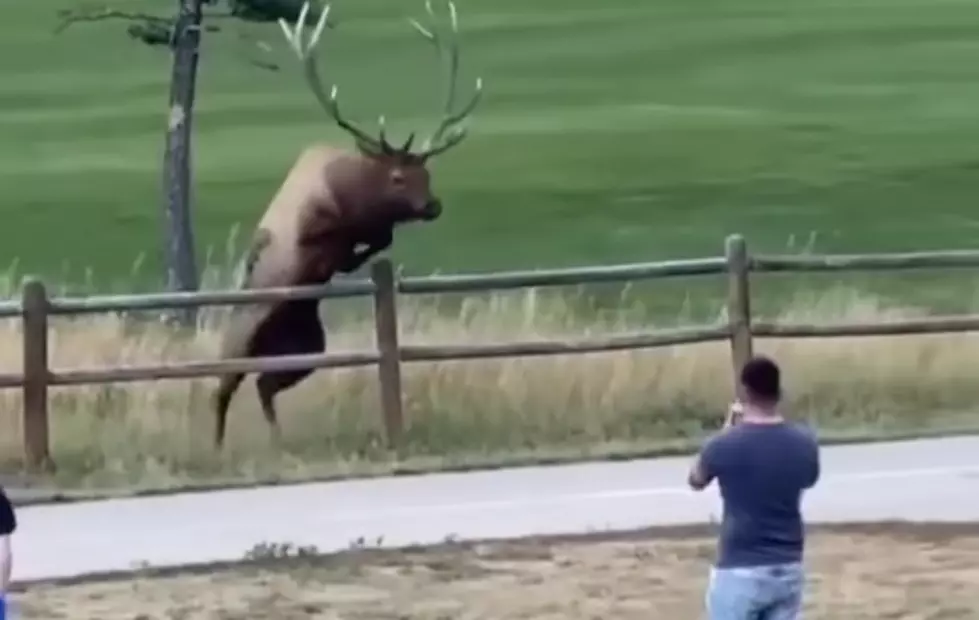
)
(397, 179)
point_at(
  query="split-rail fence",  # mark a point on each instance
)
(36, 307)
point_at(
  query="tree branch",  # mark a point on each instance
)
(271, 11)
(259, 45)
(154, 30)
(68, 17)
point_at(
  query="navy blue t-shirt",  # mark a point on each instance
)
(762, 471)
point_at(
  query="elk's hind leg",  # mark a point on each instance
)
(295, 330)
(222, 400)
(269, 385)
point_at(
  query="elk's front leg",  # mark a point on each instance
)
(375, 244)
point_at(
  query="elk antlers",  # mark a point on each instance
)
(448, 51)
(311, 72)
(437, 143)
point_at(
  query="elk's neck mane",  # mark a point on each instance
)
(356, 183)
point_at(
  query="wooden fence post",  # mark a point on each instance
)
(35, 305)
(738, 301)
(389, 366)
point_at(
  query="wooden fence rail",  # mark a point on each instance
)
(36, 307)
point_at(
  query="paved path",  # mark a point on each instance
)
(921, 480)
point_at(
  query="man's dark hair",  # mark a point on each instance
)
(761, 379)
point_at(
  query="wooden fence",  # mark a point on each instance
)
(36, 307)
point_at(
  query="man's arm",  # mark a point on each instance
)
(704, 468)
(815, 468)
(698, 478)
(705, 465)
(6, 564)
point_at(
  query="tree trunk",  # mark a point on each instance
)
(181, 261)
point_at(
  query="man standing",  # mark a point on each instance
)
(762, 463)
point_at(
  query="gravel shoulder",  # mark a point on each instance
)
(897, 570)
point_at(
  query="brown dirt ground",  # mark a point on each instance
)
(888, 571)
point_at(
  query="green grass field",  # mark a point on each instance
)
(610, 131)
(614, 131)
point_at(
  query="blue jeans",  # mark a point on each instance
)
(756, 593)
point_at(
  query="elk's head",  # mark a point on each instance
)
(400, 183)
(400, 174)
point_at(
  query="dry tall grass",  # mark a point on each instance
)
(158, 433)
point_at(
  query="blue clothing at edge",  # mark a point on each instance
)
(762, 471)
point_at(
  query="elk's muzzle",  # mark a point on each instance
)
(432, 210)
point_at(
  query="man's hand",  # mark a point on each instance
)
(734, 414)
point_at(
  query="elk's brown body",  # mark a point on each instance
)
(335, 209)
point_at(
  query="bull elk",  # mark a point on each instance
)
(335, 209)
